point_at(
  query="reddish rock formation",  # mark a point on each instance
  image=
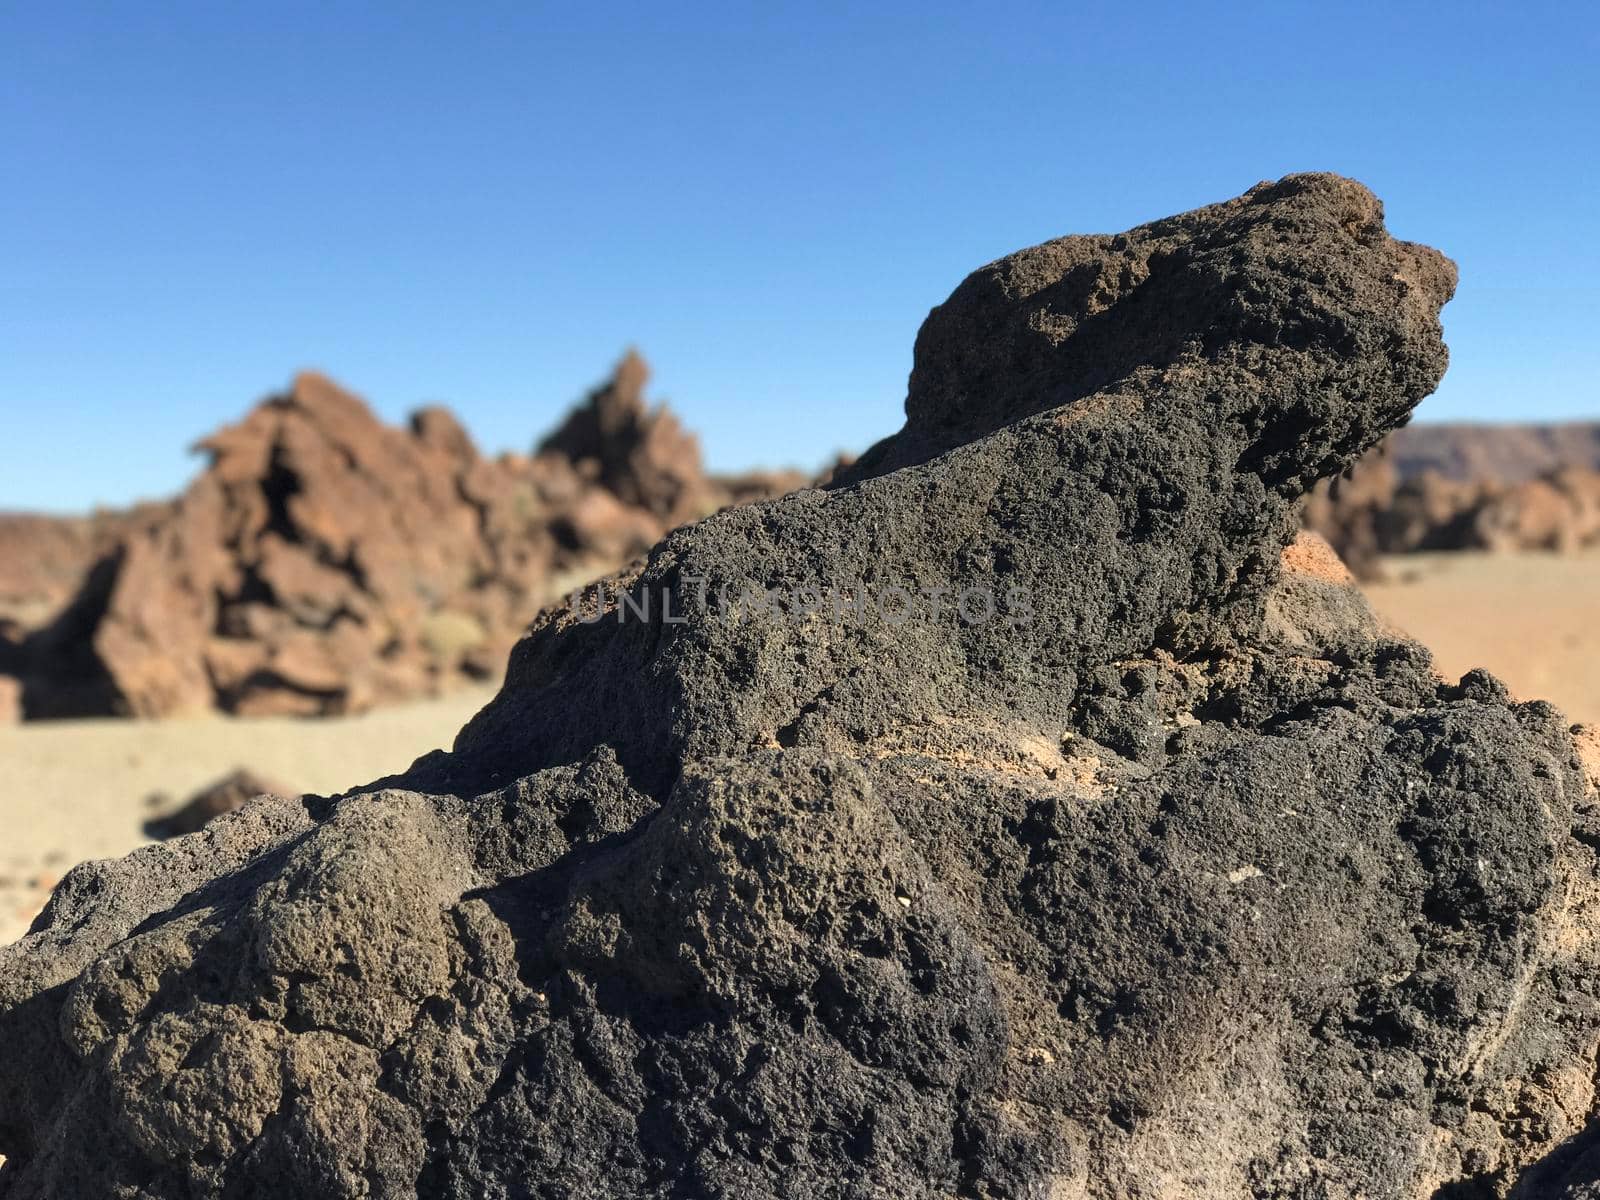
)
(1418, 492)
(640, 455)
(42, 561)
(1560, 511)
(325, 562)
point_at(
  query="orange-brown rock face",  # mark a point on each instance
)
(1460, 488)
(326, 562)
(641, 455)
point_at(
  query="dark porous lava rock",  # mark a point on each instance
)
(1086, 838)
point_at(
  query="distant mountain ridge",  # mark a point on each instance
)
(1515, 453)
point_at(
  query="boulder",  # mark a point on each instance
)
(228, 794)
(1027, 814)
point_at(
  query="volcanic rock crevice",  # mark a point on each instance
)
(1169, 874)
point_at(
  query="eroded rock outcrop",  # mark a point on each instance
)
(1447, 490)
(639, 454)
(325, 562)
(1143, 863)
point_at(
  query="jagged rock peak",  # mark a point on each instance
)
(641, 454)
(326, 561)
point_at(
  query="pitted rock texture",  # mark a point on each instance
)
(1192, 883)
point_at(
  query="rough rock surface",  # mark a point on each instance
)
(1188, 881)
(325, 562)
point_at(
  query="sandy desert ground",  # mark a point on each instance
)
(75, 790)
(70, 791)
(1532, 619)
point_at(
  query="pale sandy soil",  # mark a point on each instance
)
(76, 790)
(1531, 619)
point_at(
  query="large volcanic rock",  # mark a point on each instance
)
(1169, 876)
(326, 562)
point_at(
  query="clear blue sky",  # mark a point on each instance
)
(485, 203)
